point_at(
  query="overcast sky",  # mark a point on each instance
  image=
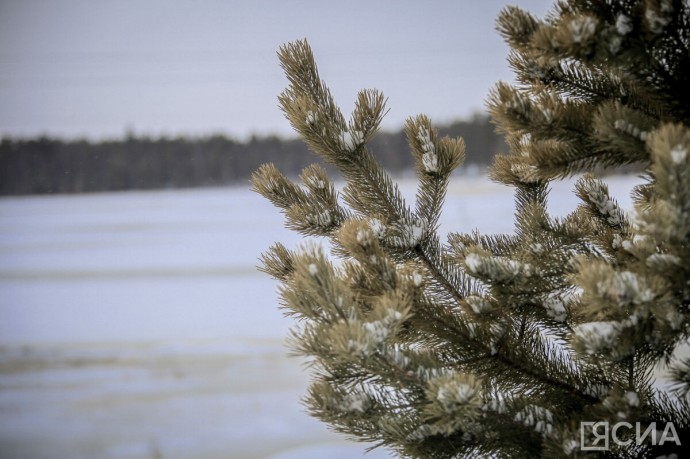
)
(100, 68)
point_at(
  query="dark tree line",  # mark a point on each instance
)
(48, 165)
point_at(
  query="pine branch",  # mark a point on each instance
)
(501, 344)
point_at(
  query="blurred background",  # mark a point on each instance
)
(134, 323)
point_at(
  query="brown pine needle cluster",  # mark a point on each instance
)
(503, 345)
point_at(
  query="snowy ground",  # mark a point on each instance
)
(135, 324)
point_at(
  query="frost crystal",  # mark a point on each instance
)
(537, 248)
(632, 398)
(397, 357)
(429, 158)
(355, 402)
(472, 329)
(350, 140)
(315, 182)
(322, 219)
(597, 336)
(678, 154)
(555, 308)
(473, 262)
(420, 433)
(630, 321)
(454, 394)
(313, 269)
(604, 205)
(675, 319)
(630, 129)
(615, 44)
(582, 28)
(623, 24)
(511, 267)
(416, 230)
(377, 227)
(525, 172)
(478, 304)
(375, 333)
(645, 296)
(364, 237)
(617, 241)
(538, 417)
(393, 315)
(497, 268)
(417, 279)
(497, 330)
(409, 235)
(525, 140)
(359, 347)
(570, 445)
(499, 406)
(424, 138)
(311, 118)
(624, 288)
(430, 162)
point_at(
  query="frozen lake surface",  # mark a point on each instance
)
(135, 324)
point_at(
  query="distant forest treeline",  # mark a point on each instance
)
(46, 165)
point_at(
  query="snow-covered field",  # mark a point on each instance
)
(135, 324)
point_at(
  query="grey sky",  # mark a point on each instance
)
(96, 68)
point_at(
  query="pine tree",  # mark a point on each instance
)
(504, 345)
